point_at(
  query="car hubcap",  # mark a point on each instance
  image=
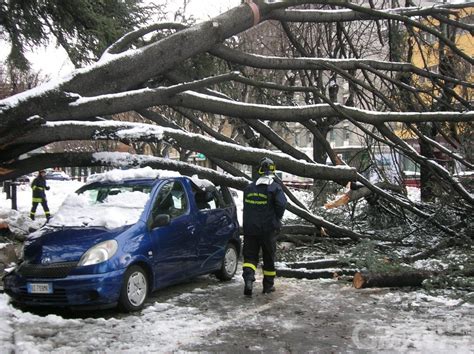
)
(230, 261)
(136, 288)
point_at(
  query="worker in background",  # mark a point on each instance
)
(264, 205)
(39, 188)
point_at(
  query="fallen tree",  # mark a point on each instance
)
(162, 77)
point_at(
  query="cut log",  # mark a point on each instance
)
(314, 273)
(391, 280)
(4, 229)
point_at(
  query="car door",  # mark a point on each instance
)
(218, 227)
(174, 244)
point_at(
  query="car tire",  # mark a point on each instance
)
(229, 263)
(135, 288)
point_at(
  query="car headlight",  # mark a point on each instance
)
(99, 253)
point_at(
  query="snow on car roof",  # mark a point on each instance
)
(118, 175)
(203, 184)
(134, 173)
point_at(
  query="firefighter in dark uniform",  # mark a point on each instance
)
(39, 187)
(264, 205)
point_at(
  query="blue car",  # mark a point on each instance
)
(114, 242)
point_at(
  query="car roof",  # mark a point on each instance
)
(149, 181)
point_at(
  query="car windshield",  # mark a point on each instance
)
(98, 205)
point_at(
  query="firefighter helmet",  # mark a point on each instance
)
(266, 167)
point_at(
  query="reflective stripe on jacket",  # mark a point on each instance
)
(38, 187)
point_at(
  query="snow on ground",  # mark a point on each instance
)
(435, 324)
(206, 315)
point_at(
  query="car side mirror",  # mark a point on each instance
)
(160, 220)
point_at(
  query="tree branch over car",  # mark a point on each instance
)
(264, 68)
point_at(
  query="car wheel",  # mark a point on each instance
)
(229, 263)
(134, 289)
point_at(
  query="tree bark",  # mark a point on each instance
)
(391, 280)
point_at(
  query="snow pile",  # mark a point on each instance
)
(414, 194)
(431, 264)
(117, 210)
(6, 329)
(160, 327)
(19, 220)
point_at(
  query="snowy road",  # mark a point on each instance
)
(206, 315)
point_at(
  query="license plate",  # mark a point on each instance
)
(39, 288)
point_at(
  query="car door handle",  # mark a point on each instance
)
(191, 229)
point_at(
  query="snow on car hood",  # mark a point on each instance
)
(116, 211)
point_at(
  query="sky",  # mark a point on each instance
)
(53, 62)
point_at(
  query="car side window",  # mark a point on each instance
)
(171, 200)
(209, 200)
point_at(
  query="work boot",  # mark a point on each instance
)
(249, 277)
(268, 289)
(268, 285)
(248, 287)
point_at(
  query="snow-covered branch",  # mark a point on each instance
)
(127, 132)
(284, 63)
(346, 15)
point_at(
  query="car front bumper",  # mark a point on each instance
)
(89, 290)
